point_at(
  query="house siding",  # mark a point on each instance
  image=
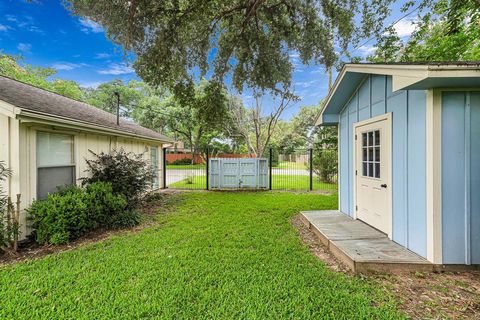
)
(18, 151)
(372, 98)
(460, 177)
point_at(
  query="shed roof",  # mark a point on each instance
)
(405, 76)
(41, 102)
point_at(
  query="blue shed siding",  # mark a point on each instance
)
(374, 97)
(460, 177)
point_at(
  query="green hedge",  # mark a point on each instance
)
(71, 212)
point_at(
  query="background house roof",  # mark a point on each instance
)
(405, 76)
(37, 100)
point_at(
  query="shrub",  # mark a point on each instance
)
(184, 161)
(73, 211)
(61, 217)
(126, 219)
(9, 226)
(275, 156)
(325, 165)
(127, 172)
(102, 204)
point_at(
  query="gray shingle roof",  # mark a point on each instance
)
(30, 98)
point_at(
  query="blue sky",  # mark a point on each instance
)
(47, 35)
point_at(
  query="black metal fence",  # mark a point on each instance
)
(297, 170)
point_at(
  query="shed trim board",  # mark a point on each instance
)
(434, 176)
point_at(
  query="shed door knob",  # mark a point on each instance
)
(383, 185)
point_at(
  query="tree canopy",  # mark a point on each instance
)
(250, 40)
(11, 66)
(449, 31)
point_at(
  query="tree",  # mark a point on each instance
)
(449, 31)
(104, 96)
(174, 41)
(38, 76)
(197, 120)
(257, 128)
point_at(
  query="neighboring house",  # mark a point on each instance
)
(45, 139)
(409, 154)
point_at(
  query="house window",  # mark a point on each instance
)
(154, 164)
(371, 154)
(55, 162)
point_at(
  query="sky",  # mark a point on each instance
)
(46, 34)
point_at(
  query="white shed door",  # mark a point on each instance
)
(372, 171)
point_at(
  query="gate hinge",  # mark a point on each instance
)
(355, 137)
(356, 208)
(356, 172)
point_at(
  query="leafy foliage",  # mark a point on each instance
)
(128, 173)
(449, 31)
(38, 76)
(7, 229)
(250, 40)
(325, 165)
(70, 213)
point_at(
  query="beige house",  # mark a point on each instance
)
(45, 139)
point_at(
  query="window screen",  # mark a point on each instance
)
(55, 162)
(371, 154)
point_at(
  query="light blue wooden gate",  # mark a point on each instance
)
(238, 173)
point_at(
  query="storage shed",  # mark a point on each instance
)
(45, 139)
(409, 154)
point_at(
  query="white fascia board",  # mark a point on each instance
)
(8, 109)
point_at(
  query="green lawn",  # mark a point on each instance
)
(217, 256)
(290, 165)
(279, 182)
(185, 166)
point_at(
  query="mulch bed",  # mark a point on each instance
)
(420, 295)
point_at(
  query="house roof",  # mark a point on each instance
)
(36, 102)
(405, 76)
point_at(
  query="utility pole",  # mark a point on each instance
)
(118, 106)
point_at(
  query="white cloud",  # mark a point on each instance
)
(24, 22)
(366, 50)
(24, 47)
(306, 84)
(319, 71)
(102, 56)
(11, 18)
(90, 26)
(405, 28)
(90, 84)
(3, 27)
(117, 69)
(67, 65)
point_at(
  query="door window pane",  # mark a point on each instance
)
(364, 139)
(371, 154)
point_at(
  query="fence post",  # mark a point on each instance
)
(207, 167)
(270, 161)
(311, 168)
(164, 168)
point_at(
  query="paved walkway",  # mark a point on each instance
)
(360, 246)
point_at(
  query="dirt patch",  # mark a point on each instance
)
(157, 203)
(420, 295)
